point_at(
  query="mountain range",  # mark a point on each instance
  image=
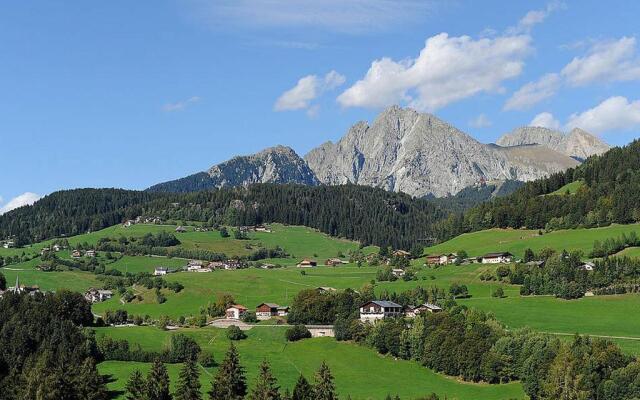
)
(407, 151)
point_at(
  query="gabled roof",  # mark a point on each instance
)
(383, 303)
(270, 305)
(493, 255)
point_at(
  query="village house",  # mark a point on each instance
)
(8, 244)
(216, 265)
(268, 310)
(326, 289)
(197, 266)
(232, 264)
(497, 258)
(334, 262)
(397, 272)
(535, 263)
(159, 271)
(441, 259)
(267, 266)
(262, 228)
(181, 229)
(587, 266)
(307, 263)
(128, 223)
(56, 247)
(76, 254)
(414, 311)
(401, 254)
(236, 311)
(321, 330)
(97, 295)
(379, 309)
(45, 250)
(90, 253)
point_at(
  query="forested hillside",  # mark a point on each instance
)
(369, 215)
(609, 195)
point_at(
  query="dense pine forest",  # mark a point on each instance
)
(609, 194)
(368, 215)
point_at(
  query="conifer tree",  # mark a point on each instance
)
(303, 389)
(324, 388)
(189, 382)
(286, 395)
(266, 387)
(158, 382)
(89, 383)
(136, 386)
(230, 382)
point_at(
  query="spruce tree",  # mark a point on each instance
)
(230, 382)
(136, 386)
(266, 387)
(189, 382)
(303, 389)
(324, 388)
(89, 384)
(158, 382)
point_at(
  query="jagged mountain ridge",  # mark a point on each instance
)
(578, 143)
(279, 164)
(402, 150)
(419, 154)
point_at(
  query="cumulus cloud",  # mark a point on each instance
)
(533, 92)
(306, 90)
(614, 114)
(180, 105)
(346, 16)
(481, 121)
(24, 199)
(448, 69)
(608, 61)
(545, 120)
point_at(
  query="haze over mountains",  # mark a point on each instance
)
(403, 150)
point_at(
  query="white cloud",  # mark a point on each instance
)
(24, 199)
(613, 114)
(545, 120)
(306, 90)
(533, 92)
(609, 61)
(481, 121)
(448, 69)
(535, 17)
(180, 105)
(347, 16)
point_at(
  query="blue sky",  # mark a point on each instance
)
(132, 93)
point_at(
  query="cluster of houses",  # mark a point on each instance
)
(89, 253)
(450, 258)
(380, 309)
(141, 220)
(55, 248)
(20, 289)
(97, 295)
(330, 262)
(264, 311)
(8, 244)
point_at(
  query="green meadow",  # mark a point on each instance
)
(359, 371)
(569, 188)
(517, 240)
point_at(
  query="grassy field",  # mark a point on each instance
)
(569, 188)
(298, 241)
(253, 286)
(517, 240)
(630, 252)
(29, 275)
(352, 365)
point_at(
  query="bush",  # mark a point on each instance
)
(235, 333)
(297, 332)
(249, 317)
(499, 293)
(206, 359)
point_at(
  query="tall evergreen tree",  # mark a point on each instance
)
(266, 387)
(158, 382)
(136, 386)
(230, 382)
(89, 383)
(189, 382)
(324, 388)
(303, 389)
